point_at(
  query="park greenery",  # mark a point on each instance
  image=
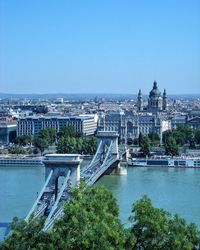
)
(182, 135)
(16, 150)
(90, 224)
(69, 141)
(145, 144)
(66, 141)
(173, 140)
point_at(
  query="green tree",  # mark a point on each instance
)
(90, 224)
(89, 145)
(85, 224)
(186, 132)
(68, 131)
(24, 140)
(140, 138)
(67, 145)
(171, 147)
(156, 229)
(154, 138)
(145, 146)
(197, 136)
(44, 135)
(182, 134)
(62, 145)
(26, 236)
(52, 135)
(150, 225)
(48, 135)
(41, 144)
(73, 145)
(166, 135)
(16, 150)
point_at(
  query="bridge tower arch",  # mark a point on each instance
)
(50, 197)
(61, 164)
(108, 137)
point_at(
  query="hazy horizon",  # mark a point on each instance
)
(95, 93)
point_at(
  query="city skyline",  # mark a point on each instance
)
(99, 47)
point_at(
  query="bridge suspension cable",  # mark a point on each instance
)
(95, 158)
(55, 206)
(36, 203)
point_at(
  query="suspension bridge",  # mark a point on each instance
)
(49, 202)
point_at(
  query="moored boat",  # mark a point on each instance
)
(166, 162)
(21, 161)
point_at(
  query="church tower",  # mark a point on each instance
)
(164, 104)
(155, 99)
(140, 101)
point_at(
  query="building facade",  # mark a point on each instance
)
(129, 126)
(7, 132)
(191, 119)
(148, 119)
(33, 124)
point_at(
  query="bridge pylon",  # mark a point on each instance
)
(61, 164)
(108, 137)
(52, 196)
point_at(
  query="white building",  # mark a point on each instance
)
(33, 124)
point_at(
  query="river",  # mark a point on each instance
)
(176, 190)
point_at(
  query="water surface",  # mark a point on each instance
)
(175, 190)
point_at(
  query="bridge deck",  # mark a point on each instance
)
(45, 204)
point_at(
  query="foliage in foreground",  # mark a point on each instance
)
(90, 221)
(155, 228)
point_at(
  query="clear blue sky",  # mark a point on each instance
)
(99, 46)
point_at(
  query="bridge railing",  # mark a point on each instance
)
(55, 206)
(95, 158)
(109, 159)
(97, 169)
(37, 202)
(55, 217)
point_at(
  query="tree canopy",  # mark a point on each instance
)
(86, 224)
(16, 150)
(156, 229)
(72, 142)
(197, 136)
(91, 221)
(41, 144)
(145, 145)
(171, 147)
(48, 134)
(67, 141)
(182, 134)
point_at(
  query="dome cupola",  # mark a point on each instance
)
(155, 93)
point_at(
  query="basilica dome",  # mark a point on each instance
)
(156, 101)
(154, 93)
